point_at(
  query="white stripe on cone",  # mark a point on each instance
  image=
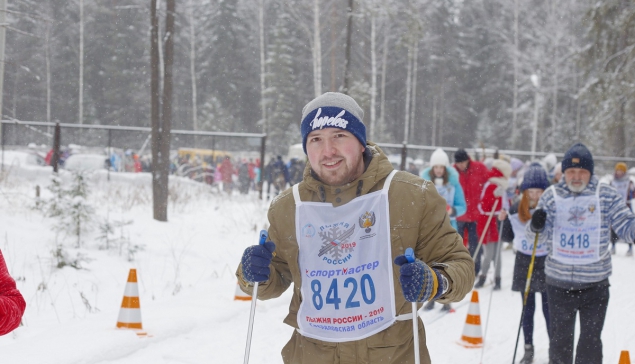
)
(471, 330)
(240, 295)
(129, 315)
(132, 290)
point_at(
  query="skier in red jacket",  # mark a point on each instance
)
(472, 177)
(12, 304)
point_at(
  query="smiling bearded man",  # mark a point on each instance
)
(339, 237)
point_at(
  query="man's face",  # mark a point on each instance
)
(577, 178)
(335, 155)
(462, 165)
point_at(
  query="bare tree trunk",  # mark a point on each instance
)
(317, 50)
(441, 112)
(159, 177)
(433, 136)
(556, 75)
(515, 100)
(3, 17)
(47, 56)
(347, 57)
(406, 127)
(193, 66)
(382, 110)
(166, 106)
(81, 62)
(578, 106)
(415, 62)
(620, 145)
(263, 106)
(373, 71)
(333, 41)
(14, 104)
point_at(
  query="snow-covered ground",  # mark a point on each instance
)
(187, 285)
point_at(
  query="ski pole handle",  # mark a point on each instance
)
(262, 239)
(410, 256)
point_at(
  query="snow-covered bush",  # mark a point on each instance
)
(70, 206)
(110, 239)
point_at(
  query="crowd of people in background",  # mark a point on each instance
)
(244, 175)
(493, 201)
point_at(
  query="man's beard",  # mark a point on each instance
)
(577, 189)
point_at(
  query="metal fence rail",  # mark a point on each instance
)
(404, 148)
(129, 136)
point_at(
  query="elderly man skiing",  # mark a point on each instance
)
(574, 218)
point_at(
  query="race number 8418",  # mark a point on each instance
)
(365, 286)
(575, 241)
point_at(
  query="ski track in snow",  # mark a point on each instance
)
(187, 285)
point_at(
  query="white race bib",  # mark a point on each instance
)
(622, 187)
(576, 231)
(521, 243)
(346, 263)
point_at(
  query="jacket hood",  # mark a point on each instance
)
(378, 167)
(497, 177)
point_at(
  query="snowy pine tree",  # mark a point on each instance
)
(69, 205)
(80, 214)
(57, 204)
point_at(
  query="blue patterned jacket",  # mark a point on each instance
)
(615, 215)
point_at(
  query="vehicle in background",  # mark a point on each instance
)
(395, 160)
(202, 156)
(20, 158)
(86, 162)
(296, 151)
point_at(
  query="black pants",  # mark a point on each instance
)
(472, 241)
(528, 315)
(564, 304)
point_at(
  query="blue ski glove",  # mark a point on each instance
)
(419, 282)
(255, 262)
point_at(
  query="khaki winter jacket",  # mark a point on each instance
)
(418, 219)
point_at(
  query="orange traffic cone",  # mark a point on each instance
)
(240, 295)
(472, 335)
(625, 358)
(130, 312)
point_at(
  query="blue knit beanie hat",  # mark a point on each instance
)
(333, 110)
(535, 177)
(578, 156)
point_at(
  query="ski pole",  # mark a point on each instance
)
(491, 296)
(489, 219)
(530, 271)
(254, 297)
(410, 255)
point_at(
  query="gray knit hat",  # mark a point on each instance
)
(333, 110)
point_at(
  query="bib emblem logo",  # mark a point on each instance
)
(336, 241)
(308, 231)
(367, 220)
(577, 217)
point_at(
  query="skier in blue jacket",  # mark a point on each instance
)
(446, 181)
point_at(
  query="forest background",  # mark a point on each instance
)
(429, 72)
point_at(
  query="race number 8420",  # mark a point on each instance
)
(365, 285)
(575, 241)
